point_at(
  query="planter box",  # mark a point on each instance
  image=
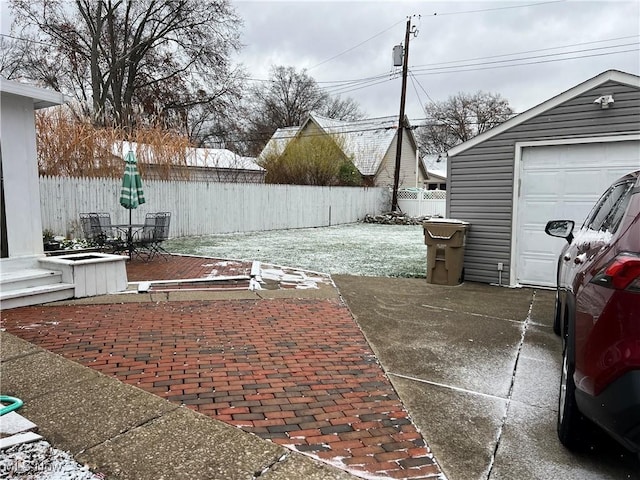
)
(56, 253)
(91, 273)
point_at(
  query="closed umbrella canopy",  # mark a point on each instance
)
(131, 194)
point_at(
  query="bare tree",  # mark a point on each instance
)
(285, 101)
(460, 118)
(10, 59)
(153, 61)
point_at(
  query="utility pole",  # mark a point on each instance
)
(401, 125)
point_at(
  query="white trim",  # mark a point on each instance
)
(517, 164)
(437, 177)
(42, 98)
(615, 75)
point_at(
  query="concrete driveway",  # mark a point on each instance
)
(478, 368)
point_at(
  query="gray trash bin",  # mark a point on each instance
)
(445, 241)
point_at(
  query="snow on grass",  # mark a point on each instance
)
(355, 249)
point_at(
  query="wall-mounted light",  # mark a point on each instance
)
(604, 101)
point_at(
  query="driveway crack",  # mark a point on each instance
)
(525, 326)
(266, 469)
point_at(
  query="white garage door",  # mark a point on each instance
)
(561, 182)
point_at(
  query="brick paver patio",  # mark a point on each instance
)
(298, 372)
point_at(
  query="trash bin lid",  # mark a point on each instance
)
(446, 220)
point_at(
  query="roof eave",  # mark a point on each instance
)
(615, 75)
(42, 98)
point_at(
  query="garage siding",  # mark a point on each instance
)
(480, 188)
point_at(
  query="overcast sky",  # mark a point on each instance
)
(459, 46)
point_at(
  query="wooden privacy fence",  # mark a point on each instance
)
(419, 202)
(202, 208)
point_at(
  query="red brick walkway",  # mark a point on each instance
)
(169, 267)
(297, 372)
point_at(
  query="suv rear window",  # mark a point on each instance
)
(608, 212)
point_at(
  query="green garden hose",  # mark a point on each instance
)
(15, 404)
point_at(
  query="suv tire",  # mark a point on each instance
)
(571, 423)
(556, 318)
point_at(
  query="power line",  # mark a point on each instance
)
(441, 14)
(528, 51)
(358, 86)
(516, 62)
(325, 131)
(417, 123)
(22, 39)
(529, 58)
(356, 46)
(414, 80)
(496, 8)
(351, 85)
(428, 72)
(357, 81)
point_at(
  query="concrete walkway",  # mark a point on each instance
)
(478, 368)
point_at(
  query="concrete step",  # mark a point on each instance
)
(26, 278)
(36, 295)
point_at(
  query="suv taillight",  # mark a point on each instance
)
(621, 273)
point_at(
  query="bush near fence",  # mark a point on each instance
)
(203, 208)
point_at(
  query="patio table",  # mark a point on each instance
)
(130, 229)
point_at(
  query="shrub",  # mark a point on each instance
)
(311, 160)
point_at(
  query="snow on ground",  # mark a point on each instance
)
(355, 249)
(40, 461)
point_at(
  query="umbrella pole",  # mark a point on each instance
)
(130, 239)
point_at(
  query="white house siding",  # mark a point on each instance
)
(407, 176)
(205, 174)
(481, 177)
(21, 225)
(202, 208)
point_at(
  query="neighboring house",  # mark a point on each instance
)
(436, 181)
(370, 144)
(550, 162)
(199, 165)
(436, 166)
(217, 165)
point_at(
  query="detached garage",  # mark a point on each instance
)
(550, 162)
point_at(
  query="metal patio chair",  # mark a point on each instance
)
(154, 232)
(97, 230)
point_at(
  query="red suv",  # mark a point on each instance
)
(598, 317)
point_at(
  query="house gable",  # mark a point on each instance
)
(408, 164)
(614, 76)
(481, 171)
(278, 141)
(369, 143)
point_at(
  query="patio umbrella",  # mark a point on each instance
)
(131, 194)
